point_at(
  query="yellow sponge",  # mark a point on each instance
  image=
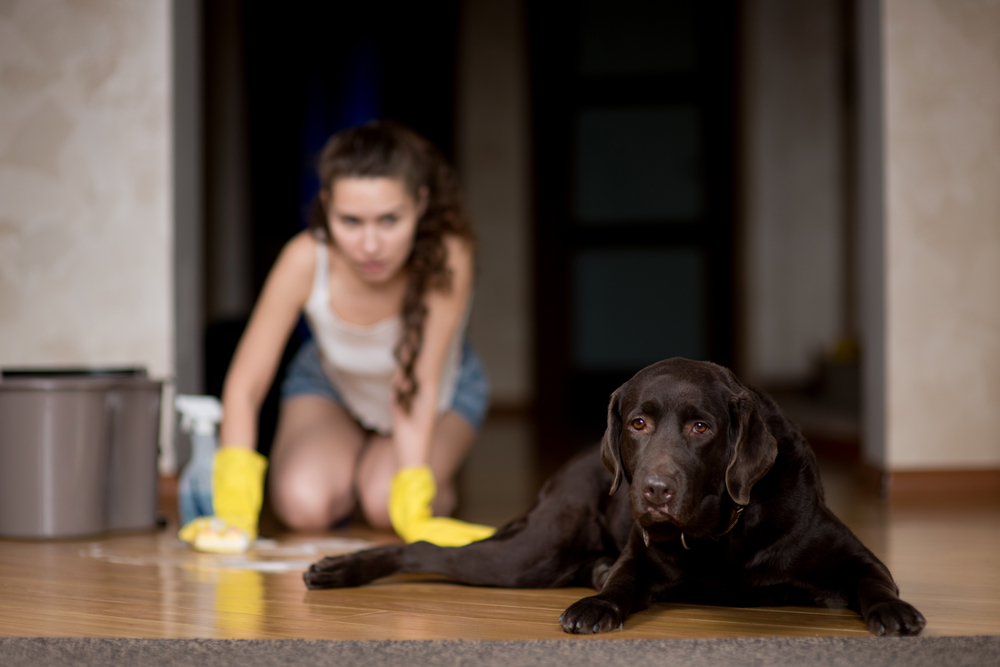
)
(215, 536)
(237, 495)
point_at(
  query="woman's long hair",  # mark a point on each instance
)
(384, 148)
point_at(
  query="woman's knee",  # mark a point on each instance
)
(312, 465)
(303, 502)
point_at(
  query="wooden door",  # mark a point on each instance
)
(634, 156)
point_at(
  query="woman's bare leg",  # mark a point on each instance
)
(452, 438)
(315, 454)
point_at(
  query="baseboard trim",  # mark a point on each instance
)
(908, 485)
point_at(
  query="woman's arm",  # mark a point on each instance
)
(259, 351)
(412, 431)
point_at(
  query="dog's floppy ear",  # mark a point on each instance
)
(754, 450)
(611, 445)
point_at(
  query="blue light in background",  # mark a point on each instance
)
(358, 101)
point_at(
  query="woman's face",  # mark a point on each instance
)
(373, 222)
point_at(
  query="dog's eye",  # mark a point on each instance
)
(638, 424)
(700, 427)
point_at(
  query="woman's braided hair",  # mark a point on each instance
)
(385, 148)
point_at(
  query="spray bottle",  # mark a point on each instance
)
(200, 417)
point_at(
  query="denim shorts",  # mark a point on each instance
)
(304, 375)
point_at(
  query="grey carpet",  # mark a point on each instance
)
(777, 652)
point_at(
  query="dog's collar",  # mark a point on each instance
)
(736, 517)
(737, 513)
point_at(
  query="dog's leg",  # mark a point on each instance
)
(545, 548)
(536, 551)
(355, 569)
(840, 564)
(627, 588)
(518, 564)
(877, 598)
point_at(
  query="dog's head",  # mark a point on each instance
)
(688, 438)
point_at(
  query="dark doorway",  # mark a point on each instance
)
(634, 158)
(315, 68)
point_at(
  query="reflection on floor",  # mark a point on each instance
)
(944, 557)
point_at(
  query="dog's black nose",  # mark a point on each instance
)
(657, 490)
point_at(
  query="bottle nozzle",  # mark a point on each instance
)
(199, 414)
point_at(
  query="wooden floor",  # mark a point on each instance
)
(946, 559)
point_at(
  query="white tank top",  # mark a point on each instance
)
(358, 359)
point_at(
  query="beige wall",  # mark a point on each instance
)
(942, 233)
(493, 162)
(85, 184)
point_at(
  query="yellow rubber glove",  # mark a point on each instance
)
(237, 496)
(410, 498)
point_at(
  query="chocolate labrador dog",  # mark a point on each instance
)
(707, 494)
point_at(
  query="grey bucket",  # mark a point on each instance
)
(78, 452)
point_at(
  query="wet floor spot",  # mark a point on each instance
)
(265, 556)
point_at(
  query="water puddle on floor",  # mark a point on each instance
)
(265, 555)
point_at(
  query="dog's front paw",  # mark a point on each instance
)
(591, 615)
(355, 569)
(894, 618)
(335, 572)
